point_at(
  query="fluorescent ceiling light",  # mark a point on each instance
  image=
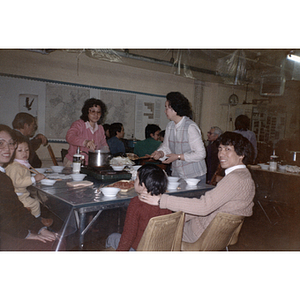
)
(293, 57)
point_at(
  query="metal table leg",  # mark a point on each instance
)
(62, 234)
(82, 228)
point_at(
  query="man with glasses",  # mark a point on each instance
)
(211, 159)
(25, 124)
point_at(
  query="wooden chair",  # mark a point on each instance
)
(222, 231)
(218, 175)
(163, 233)
(52, 155)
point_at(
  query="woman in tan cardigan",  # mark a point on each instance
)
(233, 194)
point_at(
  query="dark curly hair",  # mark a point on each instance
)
(154, 179)
(91, 103)
(242, 146)
(180, 104)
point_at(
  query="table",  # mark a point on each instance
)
(72, 204)
(276, 187)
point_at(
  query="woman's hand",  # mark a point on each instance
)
(157, 155)
(172, 157)
(148, 198)
(44, 236)
(90, 144)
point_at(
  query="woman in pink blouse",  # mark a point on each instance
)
(87, 133)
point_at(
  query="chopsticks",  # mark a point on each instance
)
(33, 170)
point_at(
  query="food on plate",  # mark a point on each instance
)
(292, 169)
(124, 185)
(120, 161)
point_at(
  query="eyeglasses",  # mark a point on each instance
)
(95, 112)
(10, 144)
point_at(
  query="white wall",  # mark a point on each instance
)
(67, 67)
(64, 67)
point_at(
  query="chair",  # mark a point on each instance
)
(163, 233)
(52, 155)
(222, 231)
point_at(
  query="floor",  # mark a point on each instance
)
(281, 232)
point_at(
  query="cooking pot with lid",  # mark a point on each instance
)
(99, 158)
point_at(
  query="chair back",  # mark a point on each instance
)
(52, 155)
(222, 231)
(163, 233)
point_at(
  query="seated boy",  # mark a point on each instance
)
(152, 180)
(151, 143)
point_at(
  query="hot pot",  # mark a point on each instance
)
(99, 158)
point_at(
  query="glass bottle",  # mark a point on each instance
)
(77, 161)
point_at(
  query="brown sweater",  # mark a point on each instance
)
(234, 194)
(137, 217)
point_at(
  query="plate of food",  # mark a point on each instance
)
(123, 185)
(120, 161)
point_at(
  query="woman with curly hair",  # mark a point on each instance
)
(87, 133)
(183, 145)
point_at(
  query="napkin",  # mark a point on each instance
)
(79, 183)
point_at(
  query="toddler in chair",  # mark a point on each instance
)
(19, 172)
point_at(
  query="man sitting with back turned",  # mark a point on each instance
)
(24, 124)
(151, 143)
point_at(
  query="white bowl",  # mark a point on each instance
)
(264, 166)
(173, 179)
(282, 167)
(118, 168)
(110, 191)
(173, 185)
(41, 170)
(78, 177)
(57, 169)
(48, 181)
(192, 181)
(136, 167)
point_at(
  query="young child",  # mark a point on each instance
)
(151, 180)
(20, 175)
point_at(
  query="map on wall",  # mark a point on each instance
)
(120, 109)
(63, 107)
(134, 111)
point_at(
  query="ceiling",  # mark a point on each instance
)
(234, 66)
(231, 66)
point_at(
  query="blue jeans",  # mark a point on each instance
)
(113, 241)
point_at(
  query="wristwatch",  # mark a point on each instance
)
(179, 158)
